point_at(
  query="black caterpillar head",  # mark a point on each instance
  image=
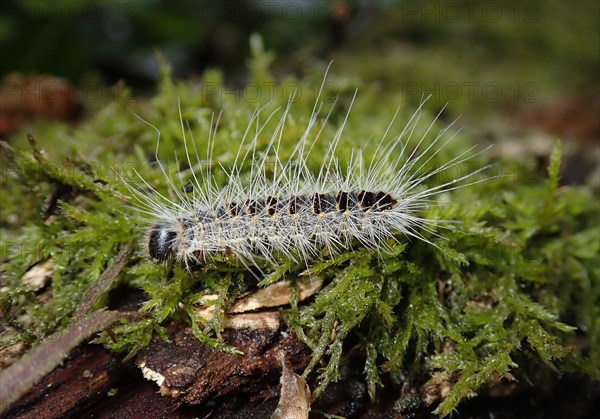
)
(160, 245)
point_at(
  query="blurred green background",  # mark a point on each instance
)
(522, 73)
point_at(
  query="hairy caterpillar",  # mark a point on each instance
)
(288, 211)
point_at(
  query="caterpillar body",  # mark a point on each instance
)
(284, 209)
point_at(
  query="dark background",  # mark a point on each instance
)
(522, 73)
(116, 39)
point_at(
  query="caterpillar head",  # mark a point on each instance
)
(160, 243)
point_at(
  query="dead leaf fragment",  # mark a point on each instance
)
(294, 401)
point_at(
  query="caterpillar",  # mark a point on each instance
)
(281, 209)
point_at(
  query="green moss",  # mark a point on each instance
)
(503, 292)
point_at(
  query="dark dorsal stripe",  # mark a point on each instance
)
(251, 206)
(233, 209)
(293, 205)
(321, 203)
(341, 201)
(365, 200)
(328, 203)
(271, 205)
(384, 201)
(316, 203)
